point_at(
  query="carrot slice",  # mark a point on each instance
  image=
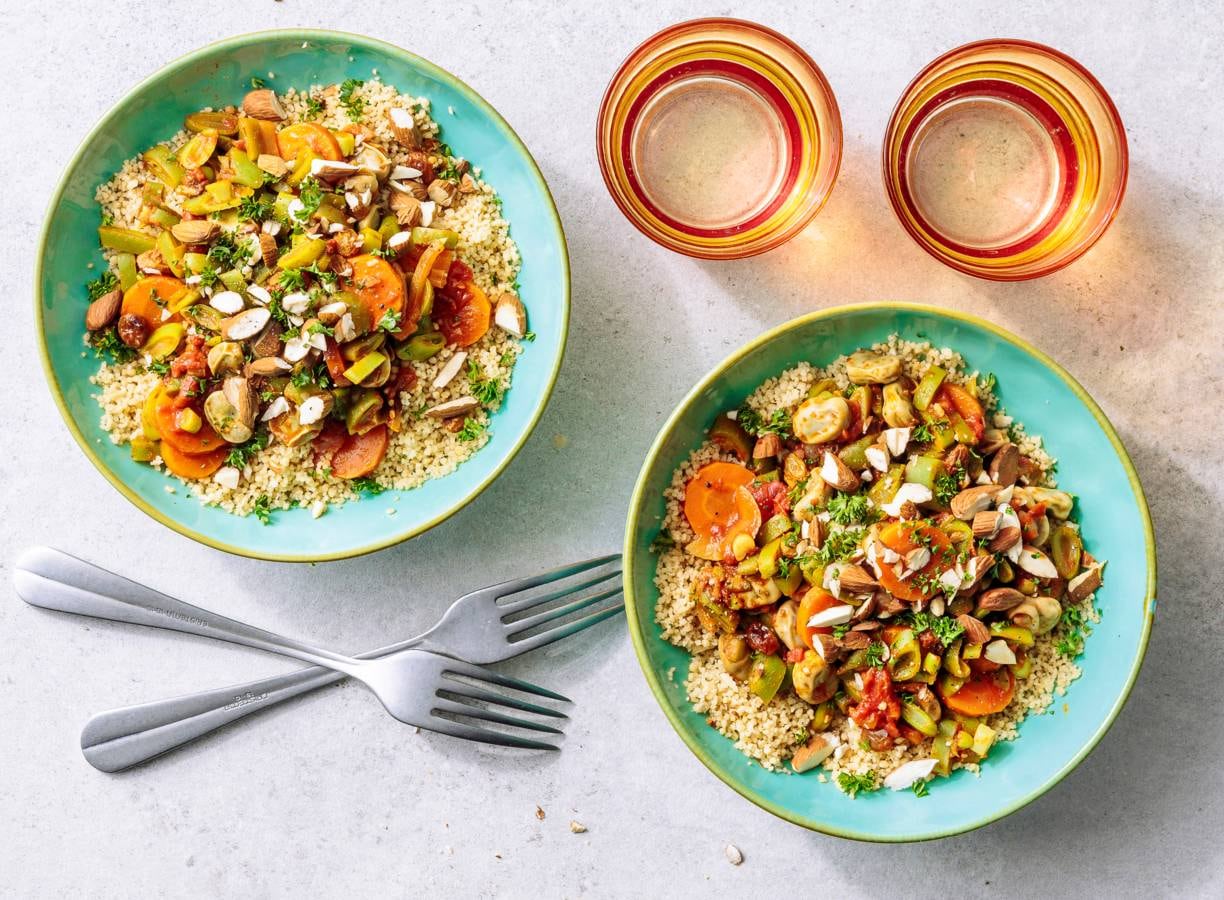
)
(378, 285)
(139, 299)
(718, 506)
(192, 465)
(983, 694)
(204, 441)
(311, 136)
(966, 405)
(360, 454)
(902, 537)
(813, 602)
(464, 316)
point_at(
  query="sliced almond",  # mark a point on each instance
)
(246, 324)
(976, 631)
(442, 192)
(992, 440)
(1036, 563)
(267, 366)
(971, 501)
(838, 475)
(1006, 538)
(450, 370)
(452, 408)
(410, 187)
(104, 310)
(267, 249)
(407, 209)
(195, 231)
(975, 571)
(999, 599)
(1005, 465)
(510, 315)
(986, 524)
(273, 165)
(1083, 584)
(856, 579)
(331, 170)
(263, 104)
(467, 184)
(404, 127)
(812, 754)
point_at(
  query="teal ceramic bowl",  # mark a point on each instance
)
(1091, 462)
(220, 74)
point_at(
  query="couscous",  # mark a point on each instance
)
(308, 296)
(873, 570)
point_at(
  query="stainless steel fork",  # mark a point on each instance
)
(488, 625)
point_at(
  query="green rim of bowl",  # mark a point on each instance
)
(636, 628)
(300, 34)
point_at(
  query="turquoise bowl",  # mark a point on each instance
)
(1091, 463)
(220, 74)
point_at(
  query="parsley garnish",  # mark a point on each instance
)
(224, 252)
(945, 628)
(849, 509)
(209, 276)
(290, 280)
(254, 208)
(754, 423)
(103, 284)
(310, 192)
(875, 655)
(840, 631)
(922, 434)
(488, 391)
(390, 321)
(367, 485)
(1071, 644)
(160, 366)
(838, 545)
(528, 336)
(257, 82)
(920, 789)
(352, 105)
(853, 784)
(797, 492)
(471, 430)
(241, 454)
(314, 107)
(947, 486)
(262, 509)
(107, 344)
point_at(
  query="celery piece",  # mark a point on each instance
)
(125, 239)
(364, 367)
(163, 218)
(233, 280)
(767, 675)
(125, 265)
(143, 449)
(371, 240)
(924, 470)
(422, 236)
(304, 251)
(855, 454)
(925, 392)
(163, 165)
(422, 346)
(245, 171)
(172, 252)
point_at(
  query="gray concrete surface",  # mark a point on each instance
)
(330, 797)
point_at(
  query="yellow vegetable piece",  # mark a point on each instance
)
(304, 251)
(364, 367)
(301, 168)
(148, 413)
(165, 340)
(983, 738)
(143, 449)
(347, 142)
(188, 420)
(172, 252)
(371, 240)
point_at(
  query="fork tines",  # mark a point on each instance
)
(578, 596)
(465, 693)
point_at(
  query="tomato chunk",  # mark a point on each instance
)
(463, 315)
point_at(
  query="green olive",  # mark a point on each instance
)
(364, 412)
(364, 346)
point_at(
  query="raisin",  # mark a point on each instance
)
(761, 638)
(133, 330)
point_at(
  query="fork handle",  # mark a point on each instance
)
(121, 738)
(52, 579)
